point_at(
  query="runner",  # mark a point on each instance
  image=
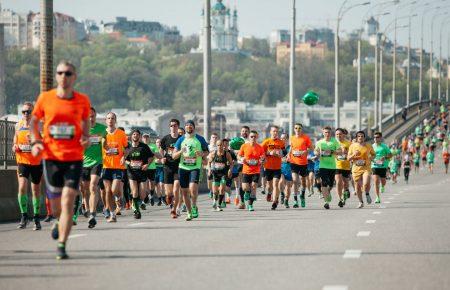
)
(327, 148)
(65, 114)
(275, 150)
(92, 167)
(416, 158)
(311, 177)
(430, 160)
(300, 143)
(138, 157)
(286, 175)
(342, 168)
(114, 149)
(219, 167)
(29, 168)
(151, 175)
(171, 177)
(380, 164)
(212, 146)
(252, 157)
(361, 154)
(395, 163)
(446, 157)
(406, 164)
(159, 175)
(236, 144)
(191, 149)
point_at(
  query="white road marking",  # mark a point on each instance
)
(363, 234)
(382, 206)
(136, 224)
(77, 236)
(396, 194)
(370, 221)
(352, 254)
(335, 287)
(391, 198)
(376, 212)
(387, 202)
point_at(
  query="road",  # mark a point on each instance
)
(404, 243)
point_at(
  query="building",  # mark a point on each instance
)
(309, 50)
(15, 28)
(155, 31)
(316, 35)
(224, 29)
(279, 36)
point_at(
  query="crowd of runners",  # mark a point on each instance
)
(91, 168)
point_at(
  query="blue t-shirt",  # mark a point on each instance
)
(189, 160)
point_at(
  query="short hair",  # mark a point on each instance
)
(112, 113)
(93, 109)
(298, 124)
(245, 127)
(378, 133)
(214, 134)
(254, 132)
(27, 103)
(327, 128)
(175, 121)
(340, 129)
(225, 140)
(274, 127)
(69, 64)
(361, 132)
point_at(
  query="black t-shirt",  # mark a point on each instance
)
(139, 156)
(168, 145)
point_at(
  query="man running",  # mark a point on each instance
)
(114, 149)
(191, 149)
(327, 148)
(138, 158)
(300, 143)
(380, 164)
(361, 154)
(29, 167)
(171, 178)
(212, 146)
(275, 150)
(65, 114)
(236, 144)
(252, 156)
(92, 167)
(342, 168)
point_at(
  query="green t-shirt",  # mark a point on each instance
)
(393, 166)
(93, 154)
(154, 149)
(416, 157)
(327, 153)
(418, 130)
(430, 157)
(381, 151)
(189, 160)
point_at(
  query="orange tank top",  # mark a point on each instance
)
(23, 155)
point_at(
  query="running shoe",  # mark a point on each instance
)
(146, 199)
(159, 202)
(37, 224)
(184, 208)
(48, 219)
(228, 200)
(137, 215)
(127, 205)
(210, 194)
(302, 200)
(295, 204)
(152, 201)
(178, 212)
(269, 197)
(61, 252)
(112, 219)
(23, 222)
(92, 222)
(74, 222)
(84, 212)
(143, 206)
(368, 198)
(274, 205)
(106, 213)
(164, 201)
(194, 211)
(117, 211)
(377, 200)
(382, 189)
(326, 205)
(173, 214)
(54, 232)
(189, 216)
(360, 204)
(341, 203)
(223, 204)
(214, 205)
(241, 206)
(250, 207)
(263, 192)
(219, 208)
(286, 203)
(236, 201)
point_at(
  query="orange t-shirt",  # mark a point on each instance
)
(24, 156)
(252, 155)
(446, 156)
(62, 124)
(270, 147)
(116, 143)
(299, 149)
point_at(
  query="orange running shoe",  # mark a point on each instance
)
(236, 201)
(228, 200)
(127, 205)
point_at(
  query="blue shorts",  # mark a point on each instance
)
(111, 174)
(159, 176)
(286, 171)
(188, 176)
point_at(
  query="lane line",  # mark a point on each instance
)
(396, 194)
(382, 206)
(376, 212)
(387, 202)
(363, 234)
(352, 254)
(136, 224)
(370, 221)
(77, 236)
(335, 287)
(391, 198)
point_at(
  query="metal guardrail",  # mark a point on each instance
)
(7, 156)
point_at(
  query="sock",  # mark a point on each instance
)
(216, 196)
(296, 197)
(36, 206)
(241, 194)
(221, 197)
(48, 207)
(241, 191)
(136, 203)
(367, 193)
(23, 203)
(303, 192)
(152, 192)
(252, 199)
(76, 207)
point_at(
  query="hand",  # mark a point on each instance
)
(37, 149)
(15, 148)
(144, 167)
(163, 160)
(85, 141)
(122, 160)
(198, 153)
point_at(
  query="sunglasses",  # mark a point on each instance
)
(66, 73)
(26, 112)
(376, 137)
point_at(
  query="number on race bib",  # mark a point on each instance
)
(62, 131)
(189, 161)
(136, 164)
(326, 153)
(26, 148)
(298, 153)
(252, 162)
(218, 166)
(95, 139)
(112, 151)
(360, 162)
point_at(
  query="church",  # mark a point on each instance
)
(224, 29)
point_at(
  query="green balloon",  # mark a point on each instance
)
(310, 98)
(236, 143)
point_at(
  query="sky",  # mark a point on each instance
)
(256, 17)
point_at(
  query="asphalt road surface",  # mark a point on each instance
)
(404, 243)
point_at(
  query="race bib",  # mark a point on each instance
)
(190, 161)
(26, 148)
(112, 151)
(342, 157)
(325, 153)
(218, 166)
(252, 162)
(61, 131)
(136, 164)
(379, 162)
(360, 162)
(298, 153)
(94, 140)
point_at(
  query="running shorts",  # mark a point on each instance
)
(33, 171)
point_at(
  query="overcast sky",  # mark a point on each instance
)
(256, 17)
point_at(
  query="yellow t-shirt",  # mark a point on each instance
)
(361, 163)
(341, 160)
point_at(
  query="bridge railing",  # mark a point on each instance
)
(7, 156)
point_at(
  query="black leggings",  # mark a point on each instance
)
(406, 173)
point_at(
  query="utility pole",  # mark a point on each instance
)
(394, 62)
(291, 75)
(408, 70)
(46, 52)
(2, 72)
(207, 71)
(358, 91)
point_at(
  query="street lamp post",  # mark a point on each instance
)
(291, 74)
(46, 45)
(431, 54)
(207, 71)
(440, 57)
